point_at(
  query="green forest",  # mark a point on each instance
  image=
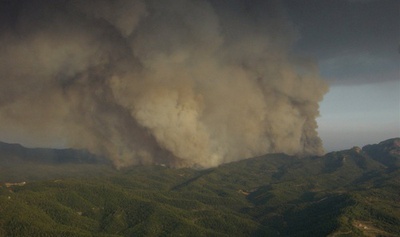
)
(348, 193)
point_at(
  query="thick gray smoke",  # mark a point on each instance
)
(182, 82)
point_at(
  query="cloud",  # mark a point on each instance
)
(359, 68)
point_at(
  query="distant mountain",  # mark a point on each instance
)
(19, 163)
(386, 152)
(353, 192)
(10, 153)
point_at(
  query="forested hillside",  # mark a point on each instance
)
(348, 193)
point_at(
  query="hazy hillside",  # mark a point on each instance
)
(18, 163)
(347, 193)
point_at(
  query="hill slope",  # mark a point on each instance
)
(347, 193)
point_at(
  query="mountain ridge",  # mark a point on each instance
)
(386, 152)
(345, 193)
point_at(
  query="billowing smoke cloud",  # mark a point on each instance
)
(182, 82)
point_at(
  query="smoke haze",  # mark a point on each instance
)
(182, 82)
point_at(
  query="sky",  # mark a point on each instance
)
(199, 82)
(356, 45)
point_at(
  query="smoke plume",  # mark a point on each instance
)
(182, 82)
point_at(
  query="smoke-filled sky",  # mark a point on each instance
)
(357, 46)
(197, 82)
